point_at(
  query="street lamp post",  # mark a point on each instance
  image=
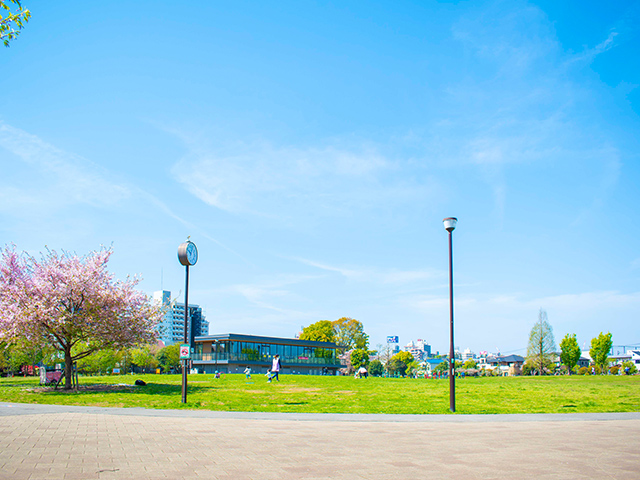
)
(450, 225)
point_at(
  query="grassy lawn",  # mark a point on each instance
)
(316, 394)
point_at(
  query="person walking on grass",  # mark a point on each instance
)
(275, 367)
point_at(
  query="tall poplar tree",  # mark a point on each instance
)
(542, 346)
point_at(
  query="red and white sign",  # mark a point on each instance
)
(184, 352)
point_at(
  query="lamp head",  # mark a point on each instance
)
(450, 223)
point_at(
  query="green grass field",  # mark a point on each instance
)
(315, 394)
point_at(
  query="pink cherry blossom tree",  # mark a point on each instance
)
(71, 303)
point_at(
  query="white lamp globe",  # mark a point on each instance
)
(450, 223)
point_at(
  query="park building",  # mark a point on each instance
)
(232, 353)
(171, 328)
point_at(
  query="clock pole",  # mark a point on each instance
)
(188, 256)
(186, 333)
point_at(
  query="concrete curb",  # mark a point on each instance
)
(9, 409)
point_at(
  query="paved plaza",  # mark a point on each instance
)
(59, 442)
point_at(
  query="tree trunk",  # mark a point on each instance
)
(68, 369)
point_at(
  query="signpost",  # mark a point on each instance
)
(188, 256)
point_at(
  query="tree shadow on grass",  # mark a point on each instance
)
(126, 390)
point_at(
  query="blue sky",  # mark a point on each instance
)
(312, 149)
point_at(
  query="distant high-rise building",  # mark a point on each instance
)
(171, 328)
(468, 355)
(420, 349)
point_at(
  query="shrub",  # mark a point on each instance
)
(631, 366)
(583, 371)
(375, 368)
(528, 368)
(614, 370)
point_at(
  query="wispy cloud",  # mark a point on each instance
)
(376, 275)
(163, 207)
(518, 102)
(589, 54)
(266, 293)
(282, 182)
(55, 178)
(514, 35)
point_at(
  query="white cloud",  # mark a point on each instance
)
(53, 178)
(288, 182)
(589, 54)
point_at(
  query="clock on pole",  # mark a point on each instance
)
(188, 256)
(188, 253)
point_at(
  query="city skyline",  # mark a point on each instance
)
(312, 151)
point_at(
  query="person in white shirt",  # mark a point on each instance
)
(275, 367)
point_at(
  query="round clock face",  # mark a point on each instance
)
(187, 253)
(192, 253)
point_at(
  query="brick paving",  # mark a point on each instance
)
(50, 442)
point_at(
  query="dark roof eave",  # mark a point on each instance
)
(260, 339)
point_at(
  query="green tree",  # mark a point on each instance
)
(470, 364)
(542, 346)
(376, 368)
(252, 354)
(349, 333)
(442, 367)
(359, 356)
(398, 363)
(101, 362)
(570, 351)
(412, 367)
(600, 348)
(143, 357)
(13, 21)
(321, 331)
(21, 353)
(169, 357)
(5, 354)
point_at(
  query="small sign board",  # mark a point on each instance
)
(184, 352)
(392, 339)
